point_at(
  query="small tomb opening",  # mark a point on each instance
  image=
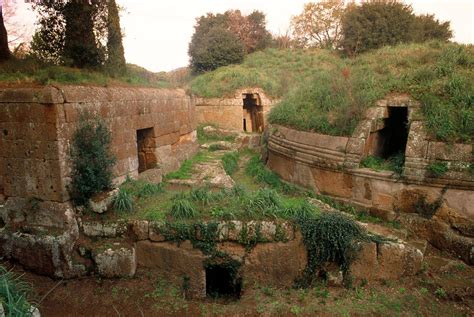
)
(253, 114)
(146, 149)
(222, 281)
(390, 137)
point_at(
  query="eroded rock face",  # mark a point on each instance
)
(116, 262)
(278, 264)
(175, 260)
(100, 203)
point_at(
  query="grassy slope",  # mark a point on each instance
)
(28, 71)
(326, 93)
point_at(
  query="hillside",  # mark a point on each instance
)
(326, 93)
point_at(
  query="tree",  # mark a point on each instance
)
(115, 52)
(319, 25)
(426, 27)
(374, 24)
(71, 32)
(250, 29)
(4, 49)
(80, 45)
(218, 47)
(248, 33)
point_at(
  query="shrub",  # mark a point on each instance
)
(123, 201)
(329, 237)
(230, 161)
(13, 294)
(438, 169)
(91, 158)
(182, 208)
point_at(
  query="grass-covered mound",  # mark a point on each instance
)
(325, 93)
(30, 71)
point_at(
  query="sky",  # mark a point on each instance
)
(157, 32)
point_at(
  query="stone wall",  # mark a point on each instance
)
(228, 112)
(37, 125)
(331, 165)
(38, 225)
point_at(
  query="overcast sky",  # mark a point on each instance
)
(157, 32)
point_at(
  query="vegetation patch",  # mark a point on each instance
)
(438, 169)
(330, 237)
(394, 163)
(326, 93)
(186, 169)
(14, 294)
(91, 159)
(230, 161)
(212, 136)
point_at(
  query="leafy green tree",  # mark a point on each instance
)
(427, 27)
(374, 24)
(377, 23)
(91, 158)
(115, 52)
(249, 34)
(71, 32)
(4, 49)
(80, 45)
(218, 47)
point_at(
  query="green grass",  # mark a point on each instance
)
(326, 93)
(394, 163)
(438, 169)
(230, 161)
(123, 202)
(14, 294)
(186, 169)
(206, 137)
(29, 71)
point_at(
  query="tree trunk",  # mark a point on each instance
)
(4, 49)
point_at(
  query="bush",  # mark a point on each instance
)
(91, 158)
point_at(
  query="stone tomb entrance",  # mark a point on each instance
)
(391, 134)
(222, 281)
(252, 113)
(146, 149)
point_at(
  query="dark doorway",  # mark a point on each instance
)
(146, 149)
(253, 114)
(395, 133)
(222, 281)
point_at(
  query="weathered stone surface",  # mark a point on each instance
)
(38, 124)
(104, 230)
(140, 229)
(235, 250)
(176, 260)
(208, 173)
(101, 202)
(386, 261)
(219, 145)
(155, 231)
(116, 262)
(275, 263)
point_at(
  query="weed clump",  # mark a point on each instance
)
(182, 208)
(14, 294)
(123, 201)
(438, 169)
(230, 161)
